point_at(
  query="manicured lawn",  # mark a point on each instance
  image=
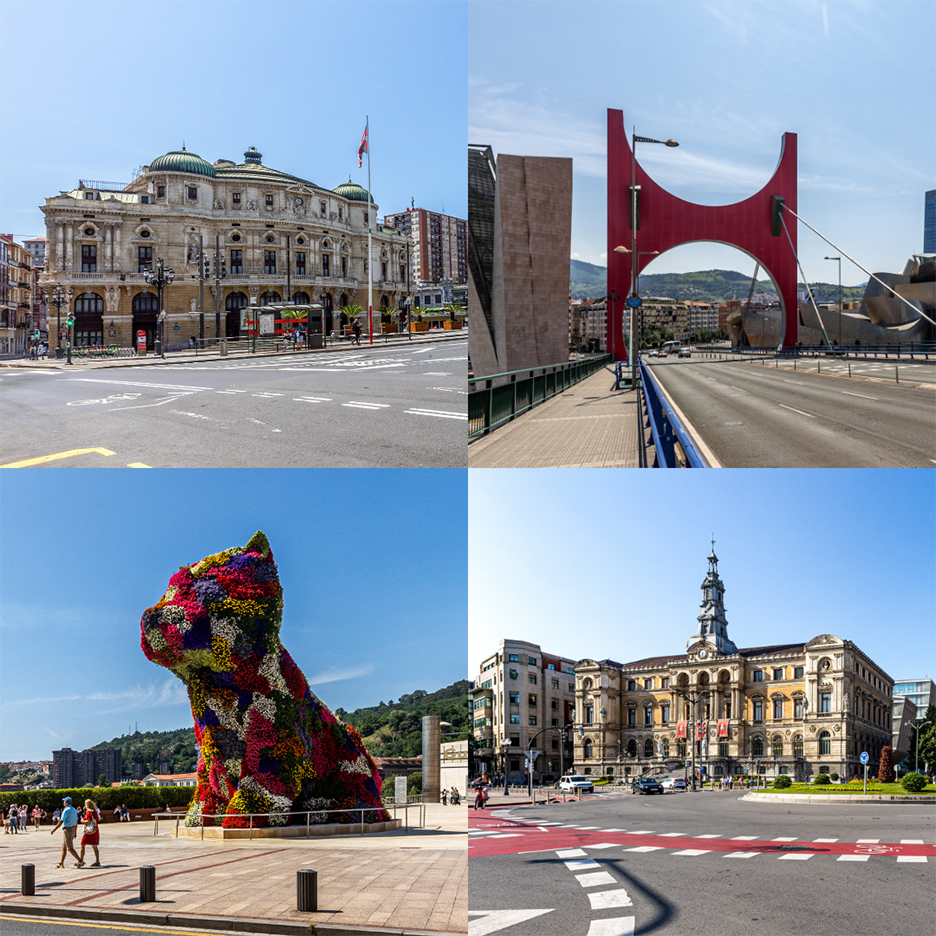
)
(848, 788)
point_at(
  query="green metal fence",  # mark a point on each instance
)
(495, 400)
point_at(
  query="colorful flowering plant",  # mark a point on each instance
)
(266, 743)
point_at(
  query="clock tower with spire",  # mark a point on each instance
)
(713, 625)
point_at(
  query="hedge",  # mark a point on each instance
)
(106, 798)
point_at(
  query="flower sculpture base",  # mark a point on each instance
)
(296, 831)
(266, 743)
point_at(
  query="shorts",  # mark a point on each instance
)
(70, 835)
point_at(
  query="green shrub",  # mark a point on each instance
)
(106, 798)
(821, 779)
(782, 782)
(913, 782)
(414, 784)
(833, 777)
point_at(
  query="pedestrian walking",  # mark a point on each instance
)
(23, 818)
(92, 833)
(13, 819)
(445, 797)
(69, 823)
(356, 329)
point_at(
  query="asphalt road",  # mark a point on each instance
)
(45, 926)
(740, 875)
(390, 407)
(753, 416)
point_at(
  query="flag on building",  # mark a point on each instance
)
(680, 729)
(362, 149)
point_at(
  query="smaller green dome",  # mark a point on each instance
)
(352, 191)
(182, 161)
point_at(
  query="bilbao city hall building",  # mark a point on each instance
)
(282, 239)
(798, 708)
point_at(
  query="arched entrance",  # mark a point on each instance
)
(269, 297)
(145, 312)
(89, 321)
(665, 221)
(300, 298)
(233, 305)
(326, 302)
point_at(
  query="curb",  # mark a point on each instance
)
(221, 923)
(842, 798)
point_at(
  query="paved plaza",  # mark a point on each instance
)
(412, 882)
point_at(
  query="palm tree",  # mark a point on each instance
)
(350, 312)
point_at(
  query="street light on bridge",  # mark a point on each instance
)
(839, 259)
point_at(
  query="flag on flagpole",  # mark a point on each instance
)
(362, 149)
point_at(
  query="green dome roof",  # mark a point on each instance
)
(182, 161)
(352, 191)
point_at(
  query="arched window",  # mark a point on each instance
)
(588, 750)
(666, 747)
(797, 745)
(384, 300)
(825, 743)
(632, 748)
(269, 296)
(233, 304)
(777, 744)
(757, 746)
(89, 320)
(301, 298)
(648, 747)
(145, 310)
(343, 300)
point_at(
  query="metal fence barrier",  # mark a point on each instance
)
(674, 447)
(499, 398)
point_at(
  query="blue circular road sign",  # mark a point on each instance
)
(864, 757)
(634, 302)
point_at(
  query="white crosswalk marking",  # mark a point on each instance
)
(825, 840)
(853, 858)
(595, 878)
(673, 834)
(867, 841)
(740, 854)
(798, 856)
(911, 841)
(609, 900)
(693, 852)
(718, 835)
(645, 848)
(616, 926)
(581, 864)
(604, 845)
(920, 858)
(743, 838)
(571, 853)
(441, 414)
(785, 838)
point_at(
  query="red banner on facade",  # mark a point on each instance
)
(680, 729)
(723, 728)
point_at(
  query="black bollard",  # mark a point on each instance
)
(307, 890)
(28, 880)
(147, 884)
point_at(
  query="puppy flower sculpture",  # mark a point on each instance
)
(267, 744)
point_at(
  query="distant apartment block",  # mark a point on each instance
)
(72, 769)
(440, 244)
(922, 692)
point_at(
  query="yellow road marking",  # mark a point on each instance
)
(48, 458)
(126, 926)
(138, 465)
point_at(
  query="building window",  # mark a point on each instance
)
(532, 679)
(825, 743)
(722, 748)
(757, 746)
(269, 261)
(144, 259)
(532, 719)
(326, 259)
(340, 215)
(531, 699)
(797, 745)
(648, 747)
(268, 200)
(322, 209)
(193, 193)
(513, 674)
(570, 671)
(758, 675)
(160, 191)
(344, 267)
(664, 714)
(402, 279)
(236, 199)
(383, 269)
(554, 705)
(799, 708)
(587, 750)
(666, 747)
(648, 683)
(664, 682)
(758, 710)
(778, 708)
(825, 702)
(513, 658)
(366, 218)
(514, 698)
(88, 258)
(531, 661)
(555, 683)
(648, 715)
(589, 714)
(727, 708)
(514, 719)
(798, 672)
(631, 717)
(631, 685)
(681, 749)
(300, 264)
(777, 746)
(778, 674)
(237, 261)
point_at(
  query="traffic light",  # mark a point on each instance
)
(634, 207)
(70, 320)
(223, 268)
(776, 209)
(206, 267)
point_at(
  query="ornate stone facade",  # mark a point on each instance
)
(797, 709)
(281, 237)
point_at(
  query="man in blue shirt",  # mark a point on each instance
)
(69, 824)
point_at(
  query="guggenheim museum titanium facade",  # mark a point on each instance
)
(281, 239)
(798, 708)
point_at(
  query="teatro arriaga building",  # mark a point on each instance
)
(281, 238)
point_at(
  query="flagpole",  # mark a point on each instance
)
(370, 253)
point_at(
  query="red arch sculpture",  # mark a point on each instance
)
(667, 221)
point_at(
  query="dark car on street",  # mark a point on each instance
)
(649, 785)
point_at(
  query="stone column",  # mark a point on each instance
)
(70, 247)
(431, 758)
(117, 264)
(59, 245)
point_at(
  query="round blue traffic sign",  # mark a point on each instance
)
(864, 757)
(634, 302)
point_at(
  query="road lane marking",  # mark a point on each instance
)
(193, 415)
(265, 426)
(121, 409)
(138, 465)
(867, 841)
(744, 838)
(491, 921)
(719, 835)
(644, 848)
(737, 388)
(610, 899)
(616, 926)
(28, 462)
(912, 842)
(595, 878)
(693, 852)
(265, 395)
(795, 410)
(864, 396)
(921, 858)
(134, 383)
(794, 857)
(581, 864)
(604, 844)
(571, 853)
(368, 406)
(784, 838)
(825, 840)
(311, 399)
(853, 858)
(741, 854)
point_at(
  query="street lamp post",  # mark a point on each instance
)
(505, 745)
(693, 700)
(916, 759)
(160, 277)
(839, 259)
(58, 299)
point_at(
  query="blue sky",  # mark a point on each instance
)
(372, 565)
(97, 89)
(609, 563)
(726, 78)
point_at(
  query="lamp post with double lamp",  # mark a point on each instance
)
(58, 299)
(839, 259)
(693, 699)
(505, 746)
(159, 277)
(916, 728)
(634, 301)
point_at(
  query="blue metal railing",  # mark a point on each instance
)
(499, 398)
(913, 350)
(674, 447)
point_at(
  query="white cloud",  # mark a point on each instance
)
(170, 692)
(337, 675)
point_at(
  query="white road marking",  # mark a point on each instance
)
(673, 835)
(737, 388)
(867, 841)
(825, 840)
(135, 383)
(581, 864)
(490, 921)
(740, 854)
(604, 845)
(795, 857)
(920, 858)
(265, 426)
(641, 832)
(193, 415)
(616, 926)
(785, 838)
(693, 852)
(795, 410)
(571, 853)
(864, 396)
(595, 878)
(853, 858)
(266, 395)
(366, 406)
(615, 830)
(443, 415)
(645, 848)
(609, 900)
(743, 838)
(911, 841)
(311, 399)
(719, 835)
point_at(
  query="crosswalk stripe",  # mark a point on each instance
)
(616, 926)
(921, 858)
(853, 858)
(595, 878)
(645, 848)
(867, 841)
(608, 900)
(693, 852)
(911, 841)
(740, 854)
(581, 864)
(795, 857)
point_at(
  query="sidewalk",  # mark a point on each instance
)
(190, 357)
(586, 426)
(389, 883)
